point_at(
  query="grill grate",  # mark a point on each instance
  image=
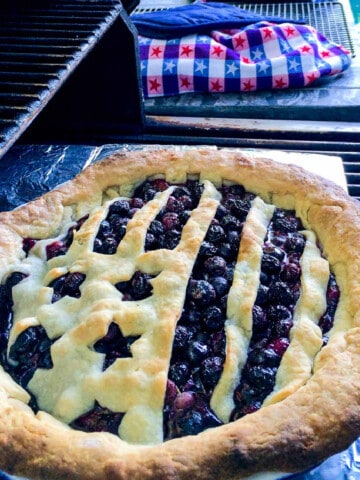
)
(40, 46)
(327, 18)
(351, 162)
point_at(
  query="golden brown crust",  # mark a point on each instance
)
(319, 419)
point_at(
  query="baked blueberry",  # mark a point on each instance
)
(99, 419)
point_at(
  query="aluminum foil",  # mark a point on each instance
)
(27, 172)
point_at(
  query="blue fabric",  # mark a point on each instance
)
(196, 18)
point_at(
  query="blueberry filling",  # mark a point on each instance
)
(165, 230)
(199, 345)
(199, 341)
(68, 284)
(190, 413)
(98, 419)
(6, 304)
(61, 246)
(277, 295)
(113, 228)
(30, 351)
(137, 288)
(332, 297)
(58, 247)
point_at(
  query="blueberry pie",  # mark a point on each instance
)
(179, 315)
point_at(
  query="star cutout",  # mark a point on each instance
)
(308, 37)
(320, 64)
(114, 345)
(203, 39)
(99, 419)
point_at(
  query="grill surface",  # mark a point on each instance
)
(326, 17)
(40, 46)
(351, 162)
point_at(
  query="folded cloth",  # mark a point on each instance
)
(196, 18)
(258, 57)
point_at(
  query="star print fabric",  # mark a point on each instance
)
(261, 56)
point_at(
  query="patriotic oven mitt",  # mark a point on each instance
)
(216, 47)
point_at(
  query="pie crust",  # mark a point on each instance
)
(300, 425)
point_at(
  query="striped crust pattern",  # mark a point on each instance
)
(176, 301)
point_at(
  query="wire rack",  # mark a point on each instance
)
(40, 45)
(327, 17)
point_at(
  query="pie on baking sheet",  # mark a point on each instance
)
(179, 314)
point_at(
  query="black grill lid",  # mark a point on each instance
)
(41, 44)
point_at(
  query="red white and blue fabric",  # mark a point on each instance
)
(261, 56)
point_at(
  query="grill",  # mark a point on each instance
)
(70, 74)
(351, 162)
(41, 46)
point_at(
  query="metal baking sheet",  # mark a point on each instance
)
(29, 171)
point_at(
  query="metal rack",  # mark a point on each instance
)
(327, 17)
(44, 45)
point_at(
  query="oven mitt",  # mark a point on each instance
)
(261, 56)
(195, 18)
